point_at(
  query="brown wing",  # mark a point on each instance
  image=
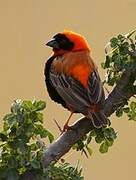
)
(54, 95)
(75, 94)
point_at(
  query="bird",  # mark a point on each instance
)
(72, 78)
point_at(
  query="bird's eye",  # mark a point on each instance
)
(64, 42)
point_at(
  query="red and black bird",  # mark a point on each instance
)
(72, 78)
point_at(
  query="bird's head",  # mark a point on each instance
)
(68, 41)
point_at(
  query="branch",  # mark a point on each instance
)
(81, 127)
(119, 94)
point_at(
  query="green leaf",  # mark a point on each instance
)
(79, 145)
(40, 130)
(50, 137)
(35, 164)
(121, 37)
(89, 139)
(40, 105)
(92, 133)
(89, 150)
(114, 42)
(99, 138)
(133, 106)
(3, 136)
(111, 81)
(133, 47)
(119, 112)
(103, 65)
(27, 105)
(16, 106)
(8, 116)
(126, 110)
(123, 50)
(103, 147)
(109, 142)
(40, 117)
(34, 146)
(5, 126)
(110, 133)
(132, 115)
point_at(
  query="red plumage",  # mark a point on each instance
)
(72, 78)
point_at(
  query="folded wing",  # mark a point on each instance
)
(78, 97)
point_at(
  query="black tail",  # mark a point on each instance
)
(98, 119)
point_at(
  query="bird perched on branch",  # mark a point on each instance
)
(72, 78)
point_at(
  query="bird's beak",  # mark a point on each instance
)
(53, 43)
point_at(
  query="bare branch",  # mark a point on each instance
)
(63, 144)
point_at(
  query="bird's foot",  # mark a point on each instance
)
(65, 128)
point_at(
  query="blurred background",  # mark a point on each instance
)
(25, 28)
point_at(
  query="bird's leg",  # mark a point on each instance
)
(66, 126)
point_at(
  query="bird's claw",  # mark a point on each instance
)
(65, 129)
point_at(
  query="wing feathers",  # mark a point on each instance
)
(74, 93)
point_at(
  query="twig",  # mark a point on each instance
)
(106, 89)
(57, 125)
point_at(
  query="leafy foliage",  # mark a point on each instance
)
(21, 147)
(122, 57)
(130, 110)
(104, 136)
(63, 172)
